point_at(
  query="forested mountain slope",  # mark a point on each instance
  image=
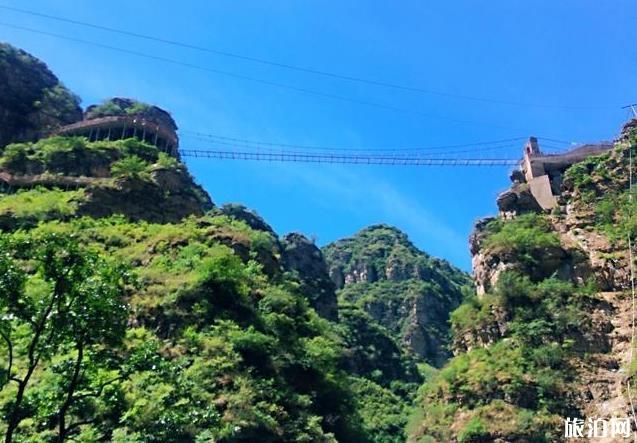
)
(182, 326)
(400, 287)
(134, 309)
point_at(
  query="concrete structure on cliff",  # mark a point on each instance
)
(121, 118)
(543, 172)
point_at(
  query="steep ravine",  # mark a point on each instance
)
(213, 327)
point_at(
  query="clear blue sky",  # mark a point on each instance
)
(580, 52)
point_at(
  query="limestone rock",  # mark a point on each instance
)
(302, 256)
(250, 217)
(517, 200)
(402, 288)
(140, 199)
(126, 106)
(478, 234)
(567, 261)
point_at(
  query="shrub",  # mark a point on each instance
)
(166, 161)
(107, 108)
(523, 234)
(605, 211)
(467, 315)
(138, 148)
(474, 432)
(580, 175)
(130, 167)
(15, 156)
(616, 214)
(382, 412)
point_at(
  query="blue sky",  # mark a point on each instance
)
(564, 53)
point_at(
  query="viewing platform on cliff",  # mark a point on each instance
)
(121, 118)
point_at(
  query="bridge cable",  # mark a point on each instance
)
(296, 67)
(246, 143)
(314, 92)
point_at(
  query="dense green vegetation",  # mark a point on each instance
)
(63, 318)
(404, 290)
(371, 352)
(388, 254)
(41, 204)
(219, 342)
(112, 107)
(386, 302)
(132, 166)
(522, 235)
(393, 292)
(127, 177)
(220, 350)
(525, 377)
(602, 183)
(581, 175)
(75, 156)
(382, 411)
(514, 376)
(119, 106)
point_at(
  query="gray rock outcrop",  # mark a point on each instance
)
(302, 256)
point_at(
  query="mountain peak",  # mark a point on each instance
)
(401, 287)
(384, 252)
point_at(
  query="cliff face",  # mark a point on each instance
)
(302, 256)
(403, 289)
(563, 259)
(548, 334)
(125, 177)
(119, 106)
(32, 100)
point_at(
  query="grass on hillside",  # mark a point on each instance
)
(41, 203)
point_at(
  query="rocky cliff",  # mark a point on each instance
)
(124, 177)
(33, 102)
(548, 335)
(120, 106)
(402, 288)
(302, 256)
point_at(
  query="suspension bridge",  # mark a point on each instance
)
(291, 156)
(492, 153)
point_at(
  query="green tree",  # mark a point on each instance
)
(56, 299)
(133, 167)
